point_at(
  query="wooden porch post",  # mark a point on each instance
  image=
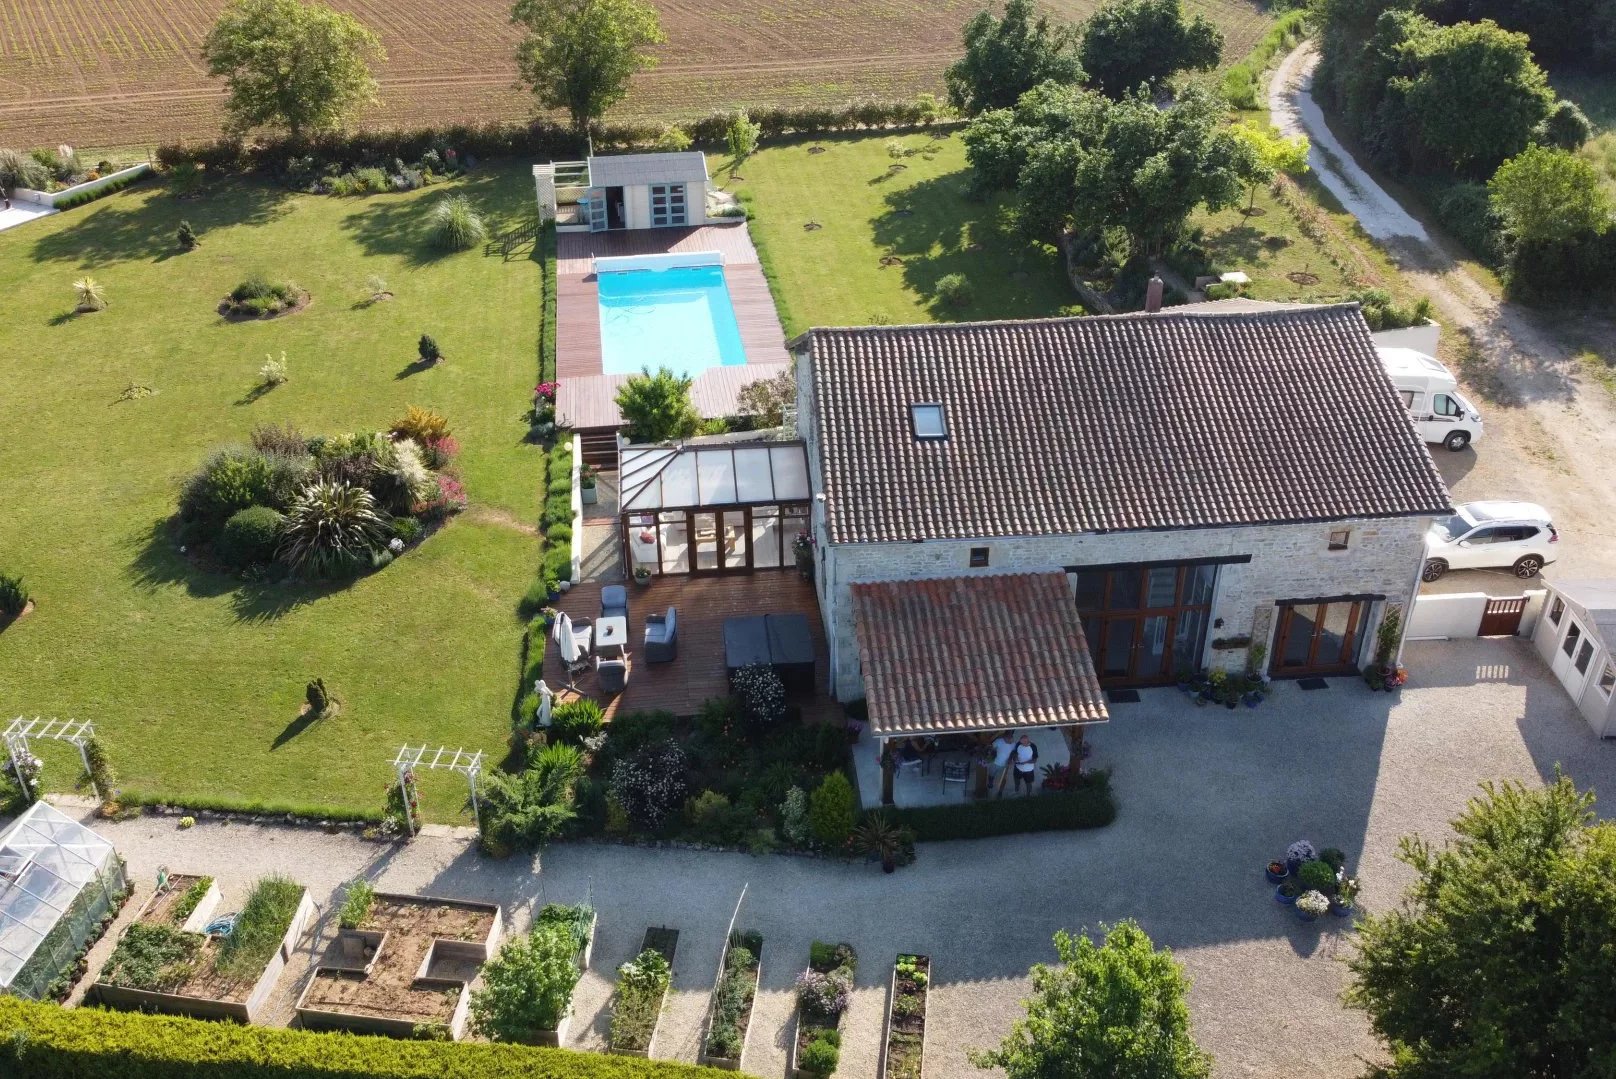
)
(887, 770)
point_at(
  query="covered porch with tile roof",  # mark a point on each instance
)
(950, 663)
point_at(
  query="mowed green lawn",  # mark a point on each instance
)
(866, 211)
(194, 678)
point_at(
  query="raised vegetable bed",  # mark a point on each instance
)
(570, 918)
(823, 992)
(405, 970)
(642, 986)
(733, 999)
(903, 1054)
(160, 965)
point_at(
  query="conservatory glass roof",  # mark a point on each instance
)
(46, 859)
(718, 474)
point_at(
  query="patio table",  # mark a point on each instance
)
(611, 632)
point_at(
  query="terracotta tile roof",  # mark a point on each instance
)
(1061, 426)
(974, 653)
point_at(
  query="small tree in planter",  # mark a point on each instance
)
(1097, 1007)
(1382, 673)
(527, 988)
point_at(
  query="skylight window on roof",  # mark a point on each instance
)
(928, 421)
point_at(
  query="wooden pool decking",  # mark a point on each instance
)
(586, 398)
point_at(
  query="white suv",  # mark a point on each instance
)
(1491, 535)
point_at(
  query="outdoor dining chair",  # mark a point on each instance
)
(614, 601)
(612, 674)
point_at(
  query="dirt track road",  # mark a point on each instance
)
(1550, 430)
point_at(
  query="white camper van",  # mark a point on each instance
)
(1440, 412)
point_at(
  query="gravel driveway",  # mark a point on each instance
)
(1207, 795)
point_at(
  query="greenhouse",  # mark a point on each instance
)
(58, 880)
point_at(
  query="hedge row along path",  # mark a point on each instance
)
(93, 74)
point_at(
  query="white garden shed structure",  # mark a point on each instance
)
(57, 880)
(1575, 636)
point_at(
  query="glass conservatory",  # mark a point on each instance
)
(720, 507)
(57, 880)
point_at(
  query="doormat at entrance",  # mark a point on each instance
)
(1123, 696)
(1312, 683)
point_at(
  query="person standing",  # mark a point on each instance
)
(1002, 747)
(1024, 761)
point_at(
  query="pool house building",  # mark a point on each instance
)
(623, 192)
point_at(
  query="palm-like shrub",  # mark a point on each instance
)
(332, 527)
(455, 225)
(529, 809)
(90, 295)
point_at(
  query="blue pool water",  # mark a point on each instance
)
(678, 318)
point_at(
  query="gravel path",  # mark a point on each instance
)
(1207, 796)
(1550, 429)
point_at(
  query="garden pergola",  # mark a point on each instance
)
(408, 759)
(57, 879)
(75, 732)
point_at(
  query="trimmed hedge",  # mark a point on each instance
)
(541, 141)
(1089, 805)
(43, 1041)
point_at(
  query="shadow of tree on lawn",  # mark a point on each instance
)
(937, 228)
(401, 226)
(141, 223)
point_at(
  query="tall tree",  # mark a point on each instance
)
(1474, 92)
(1550, 196)
(1271, 154)
(1133, 43)
(1114, 1010)
(1006, 57)
(1498, 963)
(579, 55)
(298, 66)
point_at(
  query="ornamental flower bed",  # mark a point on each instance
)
(406, 965)
(642, 986)
(905, 1042)
(224, 971)
(733, 1001)
(823, 992)
(323, 506)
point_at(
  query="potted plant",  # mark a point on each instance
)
(1345, 898)
(642, 573)
(1382, 673)
(802, 548)
(586, 485)
(1287, 892)
(1310, 904)
(1297, 853)
(1277, 872)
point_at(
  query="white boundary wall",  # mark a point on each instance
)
(1419, 338)
(44, 198)
(1457, 615)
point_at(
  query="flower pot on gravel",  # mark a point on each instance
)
(1277, 872)
(1310, 905)
(1286, 893)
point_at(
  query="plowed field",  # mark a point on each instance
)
(104, 73)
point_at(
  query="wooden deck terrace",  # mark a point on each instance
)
(698, 674)
(587, 396)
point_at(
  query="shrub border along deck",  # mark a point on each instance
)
(43, 1041)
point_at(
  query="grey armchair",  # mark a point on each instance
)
(614, 601)
(612, 674)
(662, 637)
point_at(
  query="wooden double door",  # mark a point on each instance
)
(1145, 623)
(1319, 637)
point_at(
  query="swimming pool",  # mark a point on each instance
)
(680, 318)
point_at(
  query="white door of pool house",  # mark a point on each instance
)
(597, 209)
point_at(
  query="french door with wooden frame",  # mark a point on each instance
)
(1318, 637)
(1145, 622)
